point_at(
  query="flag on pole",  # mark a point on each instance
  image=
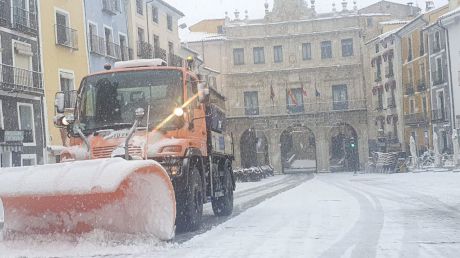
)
(293, 99)
(317, 92)
(272, 92)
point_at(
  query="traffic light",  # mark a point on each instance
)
(353, 143)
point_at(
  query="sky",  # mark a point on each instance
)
(197, 10)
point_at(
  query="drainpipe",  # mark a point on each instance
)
(454, 125)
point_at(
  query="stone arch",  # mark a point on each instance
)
(344, 156)
(298, 149)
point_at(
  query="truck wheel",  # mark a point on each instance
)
(223, 206)
(192, 207)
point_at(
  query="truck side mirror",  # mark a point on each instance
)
(203, 93)
(59, 101)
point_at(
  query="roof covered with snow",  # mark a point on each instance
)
(451, 13)
(200, 36)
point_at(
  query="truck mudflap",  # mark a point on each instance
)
(77, 197)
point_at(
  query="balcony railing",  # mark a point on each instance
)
(112, 50)
(421, 86)
(308, 108)
(111, 6)
(416, 118)
(439, 115)
(175, 60)
(410, 90)
(144, 50)
(391, 102)
(66, 37)
(97, 45)
(17, 79)
(160, 53)
(25, 21)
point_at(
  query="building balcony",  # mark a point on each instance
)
(438, 80)
(111, 7)
(416, 119)
(439, 115)
(4, 16)
(97, 45)
(306, 108)
(144, 50)
(410, 89)
(391, 102)
(160, 53)
(25, 21)
(66, 37)
(421, 86)
(379, 106)
(15, 79)
(175, 60)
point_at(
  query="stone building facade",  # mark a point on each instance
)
(295, 72)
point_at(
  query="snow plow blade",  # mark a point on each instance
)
(77, 197)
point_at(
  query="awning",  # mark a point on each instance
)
(10, 147)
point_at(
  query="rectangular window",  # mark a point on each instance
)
(437, 41)
(156, 41)
(409, 49)
(377, 48)
(438, 75)
(422, 44)
(340, 97)
(26, 123)
(238, 56)
(424, 105)
(259, 55)
(410, 77)
(93, 41)
(155, 14)
(294, 100)
(2, 126)
(278, 54)
(347, 47)
(67, 86)
(22, 59)
(412, 106)
(251, 103)
(62, 31)
(28, 160)
(124, 50)
(326, 49)
(109, 45)
(306, 51)
(140, 7)
(140, 35)
(170, 22)
(422, 73)
(370, 22)
(171, 47)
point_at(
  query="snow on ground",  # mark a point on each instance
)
(333, 215)
(304, 164)
(242, 186)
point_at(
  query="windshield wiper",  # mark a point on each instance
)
(110, 126)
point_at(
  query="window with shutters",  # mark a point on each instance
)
(347, 47)
(340, 97)
(306, 51)
(93, 39)
(251, 103)
(26, 123)
(62, 31)
(238, 56)
(278, 54)
(66, 80)
(259, 55)
(326, 49)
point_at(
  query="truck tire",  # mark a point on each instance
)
(191, 210)
(223, 206)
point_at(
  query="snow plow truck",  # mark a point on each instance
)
(146, 149)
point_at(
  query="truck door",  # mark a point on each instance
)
(196, 116)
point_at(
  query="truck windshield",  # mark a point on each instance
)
(109, 100)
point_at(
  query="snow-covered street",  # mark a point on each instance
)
(332, 215)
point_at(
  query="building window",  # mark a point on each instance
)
(28, 160)
(140, 35)
(326, 49)
(370, 22)
(410, 77)
(93, 40)
(66, 80)
(347, 47)
(278, 54)
(109, 45)
(424, 105)
(340, 97)
(437, 41)
(26, 123)
(2, 125)
(238, 56)
(251, 103)
(140, 7)
(62, 30)
(220, 29)
(422, 44)
(412, 106)
(155, 14)
(409, 49)
(422, 73)
(259, 55)
(169, 22)
(124, 49)
(294, 100)
(438, 71)
(306, 51)
(377, 48)
(22, 59)
(156, 41)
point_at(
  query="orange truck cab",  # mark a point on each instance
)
(144, 110)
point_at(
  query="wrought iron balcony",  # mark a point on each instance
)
(66, 37)
(97, 45)
(160, 53)
(144, 50)
(113, 50)
(439, 115)
(421, 86)
(391, 102)
(25, 21)
(112, 7)
(20, 80)
(175, 60)
(416, 119)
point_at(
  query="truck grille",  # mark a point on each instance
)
(106, 151)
